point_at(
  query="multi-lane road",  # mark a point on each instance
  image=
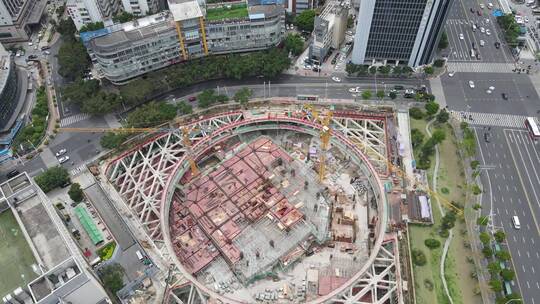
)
(510, 167)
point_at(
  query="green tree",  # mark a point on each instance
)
(351, 68)
(443, 41)
(416, 113)
(294, 44)
(397, 70)
(384, 69)
(112, 140)
(443, 116)
(439, 63)
(184, 108)
(417, 138)
(393, 95)
(380, 94)
(476, 189)
(73, 60)
(123, 17)
(66, 28)
(438, 136)
(75, 193)
(93, 26)
(503, 255)
(432, 108)
(407, 70)
(207, 98)
(484, 238)
(475, 164)
(52, 178)
(373, 70)
(494, 268)
(366, 94)
(305, 20)
(496, 285)
(432, 243)
(112, 277)
(488, 252)
(428, 70)
(448, 220)
(418, 257)
(499, 236)
(242, 96)
(151, 114)
(350, 22)
(507, 274)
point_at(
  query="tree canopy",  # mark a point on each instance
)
(242, 96)
(112, 277)
(305, 20)
(75, 193)
(73, 60)
(52, 178)
(112, 140)
(294, 44)
(123, 17)
(151, 114)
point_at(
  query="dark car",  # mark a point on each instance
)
(497, 45)
(504, 96)
(192, 98)
(12, 174)
(43, 48)
(399, 87)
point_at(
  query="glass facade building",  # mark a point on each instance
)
(396, 31)
(8, 90)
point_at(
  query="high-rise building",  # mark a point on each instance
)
(83, 12)
(17, 17)
(399, 32)
(329, 29)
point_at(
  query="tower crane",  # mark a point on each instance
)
(189, 153)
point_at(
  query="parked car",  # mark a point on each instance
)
(12, 174)
(61, 152)
(336, 79)
(192, 98)
(471, 84)
(63, 159)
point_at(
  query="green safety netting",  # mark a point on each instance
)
(88, 224)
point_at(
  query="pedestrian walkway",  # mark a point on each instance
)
(66, 121)
(480, 67)
(77, 170)
(490, 119)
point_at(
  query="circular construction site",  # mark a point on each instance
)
(274, 208)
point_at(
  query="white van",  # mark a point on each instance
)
(515, 222)
(139, 255)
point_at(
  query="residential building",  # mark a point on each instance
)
(329, 30)
(141, 7)
(18, 17)
(83, 12)
(189, 30)
(399, 32)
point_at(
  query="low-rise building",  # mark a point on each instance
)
(189, 30)
(329, 30)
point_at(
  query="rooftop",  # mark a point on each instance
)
(235, 11)
(185, 9)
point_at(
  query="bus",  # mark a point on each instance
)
(532, 126)
(307, 97)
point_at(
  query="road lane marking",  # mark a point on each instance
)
(522, 185)
(506, 210)
(519, 253)
(532, 267)
(529, 256)
(528, 286)
(502, 199)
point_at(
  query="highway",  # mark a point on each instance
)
(510, 176)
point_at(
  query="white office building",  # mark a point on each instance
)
(83, 12)
(140, 7)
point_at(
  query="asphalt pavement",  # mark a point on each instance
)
(510, 169)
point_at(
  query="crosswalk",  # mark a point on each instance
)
(480, 67)
(66, 121)
(490, 119)
(77, 170)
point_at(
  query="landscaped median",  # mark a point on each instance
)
(427, 242)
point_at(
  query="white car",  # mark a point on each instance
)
(63, 159)
(61, 152)
(482, 6)
(461, 37)
(451, 74)
(488, 32)
(491, 88)
(354, 90)
(307, 67)
(30, 43)
(482, 29)
(489, 91)
(336, 79)
(471, 84)
(490, 5)
(482, 43)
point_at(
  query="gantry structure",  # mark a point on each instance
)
(147, 175)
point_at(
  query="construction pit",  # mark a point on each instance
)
(259, 223)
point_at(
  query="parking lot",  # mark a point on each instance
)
(462, 38)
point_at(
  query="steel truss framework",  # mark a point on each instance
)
(381, 284)
(141, 174)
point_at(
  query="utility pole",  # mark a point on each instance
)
(264, 89)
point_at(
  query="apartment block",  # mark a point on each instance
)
(83, 12)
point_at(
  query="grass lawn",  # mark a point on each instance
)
(16, 257)
(234, 12)
(451, 186)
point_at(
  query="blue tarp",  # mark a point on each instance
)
(87, 36)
